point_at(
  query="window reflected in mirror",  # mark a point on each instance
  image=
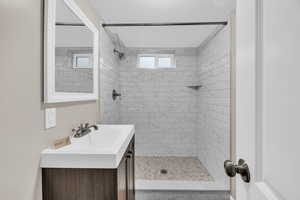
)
(73, 52)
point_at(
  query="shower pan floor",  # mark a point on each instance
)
(170, 168)
(171, 173)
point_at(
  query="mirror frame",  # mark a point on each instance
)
(50, 95)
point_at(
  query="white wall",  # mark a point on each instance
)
(23, 134)
(214, 104)
(159, 104)
(109, 80)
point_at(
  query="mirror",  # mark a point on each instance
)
(71, 56)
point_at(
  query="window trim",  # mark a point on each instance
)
(156, 57)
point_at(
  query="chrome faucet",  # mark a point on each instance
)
(83, 130)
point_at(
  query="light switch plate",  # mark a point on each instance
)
(50, 118)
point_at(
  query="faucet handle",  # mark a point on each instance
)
(81, 126)
(87, 125)
(74, 132)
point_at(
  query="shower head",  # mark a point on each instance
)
(121, 55)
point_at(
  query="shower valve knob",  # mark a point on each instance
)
(231, 169)
(115, 94)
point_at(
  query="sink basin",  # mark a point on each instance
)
(103, 148)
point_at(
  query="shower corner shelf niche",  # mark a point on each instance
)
(194, 87)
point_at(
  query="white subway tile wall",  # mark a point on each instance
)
(213, 130)
(109, 80)
(67, 78)
(158, 102)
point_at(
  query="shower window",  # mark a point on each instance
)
(83, 61)
(156, 61)
(164, 61)
(146, 61)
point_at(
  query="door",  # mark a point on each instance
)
(122, 179)
(130, 172)
(268, 98)
(126, 188)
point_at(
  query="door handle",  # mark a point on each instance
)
(241, 168)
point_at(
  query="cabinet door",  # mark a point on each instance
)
(122, 180)
(130, 172)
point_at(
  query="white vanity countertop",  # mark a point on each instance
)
(103, 148)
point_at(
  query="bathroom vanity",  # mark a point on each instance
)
(98, 166)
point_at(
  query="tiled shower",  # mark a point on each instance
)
(163, 109)
(176, 125)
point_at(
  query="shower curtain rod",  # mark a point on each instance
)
(68, 24)
(167, 24)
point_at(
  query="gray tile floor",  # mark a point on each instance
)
(170, 168)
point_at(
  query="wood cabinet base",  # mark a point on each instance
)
(91, 184)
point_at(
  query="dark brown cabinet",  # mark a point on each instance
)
(130, 172)
(126, 190)
(91, 184)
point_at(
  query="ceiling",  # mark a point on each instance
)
(170, 36)
(161, 11)
(64, 14)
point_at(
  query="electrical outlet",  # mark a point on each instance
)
(50, 118)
